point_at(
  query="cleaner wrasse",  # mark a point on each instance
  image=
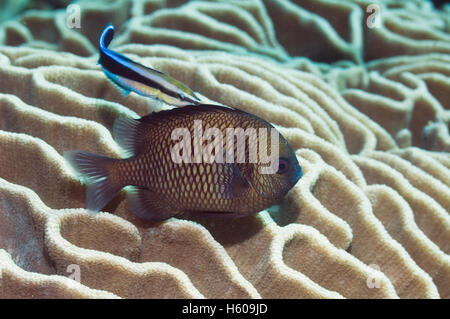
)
(131, 76)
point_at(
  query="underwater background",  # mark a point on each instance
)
(360, 89)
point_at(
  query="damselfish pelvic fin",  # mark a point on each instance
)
(149, 205)
(212, 214)
(96, 171)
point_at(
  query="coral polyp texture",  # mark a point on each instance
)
(367, 110)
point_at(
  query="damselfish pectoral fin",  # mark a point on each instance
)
(239, 183)
(262, 186)
(149, 205)
(231, 183)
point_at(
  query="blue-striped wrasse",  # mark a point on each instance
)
(132, 76)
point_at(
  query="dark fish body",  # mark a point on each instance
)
(132, 76)
(163, 188)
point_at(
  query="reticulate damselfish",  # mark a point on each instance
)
(132, 76)
(192, 159)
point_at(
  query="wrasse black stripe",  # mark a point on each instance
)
(122, 66)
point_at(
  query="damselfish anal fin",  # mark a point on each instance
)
(149, 205)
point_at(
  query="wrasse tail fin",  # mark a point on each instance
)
(106, 37)
(149, 205)
(96, 171)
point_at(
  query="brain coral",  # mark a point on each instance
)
(366, 109)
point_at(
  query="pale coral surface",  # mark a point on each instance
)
(366, 109)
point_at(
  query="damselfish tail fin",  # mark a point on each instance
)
(97, 172)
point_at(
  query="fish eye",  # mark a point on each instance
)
(283, 165)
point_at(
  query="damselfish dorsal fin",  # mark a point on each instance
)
(125, 132)
(193, 109)
(129, 132)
